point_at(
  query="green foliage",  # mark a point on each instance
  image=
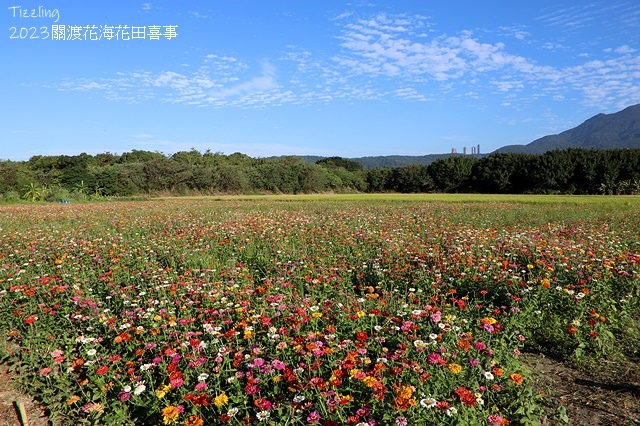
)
(570, 171)
(350, 165)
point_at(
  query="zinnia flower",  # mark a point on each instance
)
(170, 415)
(454, 368)
(221, 400)
(516, 378)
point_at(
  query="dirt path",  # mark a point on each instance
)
(10, 399)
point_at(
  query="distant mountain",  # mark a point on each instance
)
(603, 131)
(389, 160)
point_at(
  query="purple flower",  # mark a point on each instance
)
(124, 396)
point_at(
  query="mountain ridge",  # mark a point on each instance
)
(618, 130)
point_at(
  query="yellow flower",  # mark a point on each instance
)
(369, 381)
(454, 368)
(221, 400)
(361, 314)
(162, 391)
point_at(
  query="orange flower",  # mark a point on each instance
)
(497, 371)
(194, 421)
(170, 414)
(516, 378)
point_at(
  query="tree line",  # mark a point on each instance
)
(140, 173)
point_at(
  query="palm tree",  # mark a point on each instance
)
(81, 187)
(33, 192)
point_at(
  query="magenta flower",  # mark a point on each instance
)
(278, 365)
(313, 417)
(434, 358)
(176, 383)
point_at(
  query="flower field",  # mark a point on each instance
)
(201, 312)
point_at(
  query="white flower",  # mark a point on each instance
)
(232, 412)
(263, 415)
(203, 377)
(91, 352)
(298, 398)
(428, 402)
(127, 389)
(451, 411)
(139, 389)
(487, 375)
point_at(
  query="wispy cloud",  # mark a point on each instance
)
(384, 57)
(196, 14)
(261, 84)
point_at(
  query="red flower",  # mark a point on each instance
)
(466, 397)
(102, 370)
(31, 319)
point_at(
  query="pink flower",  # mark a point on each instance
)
(495, 419)
(201, 386)
(434, 358)
(278, 365)
(313, 417)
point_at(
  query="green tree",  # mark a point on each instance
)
(452, 174)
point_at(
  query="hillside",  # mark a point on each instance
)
(602, 131)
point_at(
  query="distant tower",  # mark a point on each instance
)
(478, 149)
(473, 150)
(454, 151)
(464, 150)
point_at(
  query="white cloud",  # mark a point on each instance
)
(383, 57)
(263, 83)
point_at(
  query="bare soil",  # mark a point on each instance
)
(608, 394)
(10, 401)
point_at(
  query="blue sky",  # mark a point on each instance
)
(312, 77)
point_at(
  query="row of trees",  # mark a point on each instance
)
(571, 171)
